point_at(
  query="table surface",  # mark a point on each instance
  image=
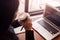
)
(36, 36)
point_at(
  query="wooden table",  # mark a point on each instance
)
(36, 36)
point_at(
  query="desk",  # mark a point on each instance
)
(36, 36)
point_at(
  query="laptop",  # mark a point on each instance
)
(49, 24)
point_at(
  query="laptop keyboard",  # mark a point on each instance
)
(55, 19)
(48, 27)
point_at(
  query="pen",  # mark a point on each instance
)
(21, 29)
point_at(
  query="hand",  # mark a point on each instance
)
(27, 23)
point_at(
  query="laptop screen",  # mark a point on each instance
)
(52, 14)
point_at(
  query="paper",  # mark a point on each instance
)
(18, 30)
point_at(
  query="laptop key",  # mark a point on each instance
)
(48, 27)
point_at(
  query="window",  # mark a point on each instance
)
(34, 5)
(21, 6)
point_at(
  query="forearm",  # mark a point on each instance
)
(29, 35)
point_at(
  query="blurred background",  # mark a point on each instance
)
(35, 6)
